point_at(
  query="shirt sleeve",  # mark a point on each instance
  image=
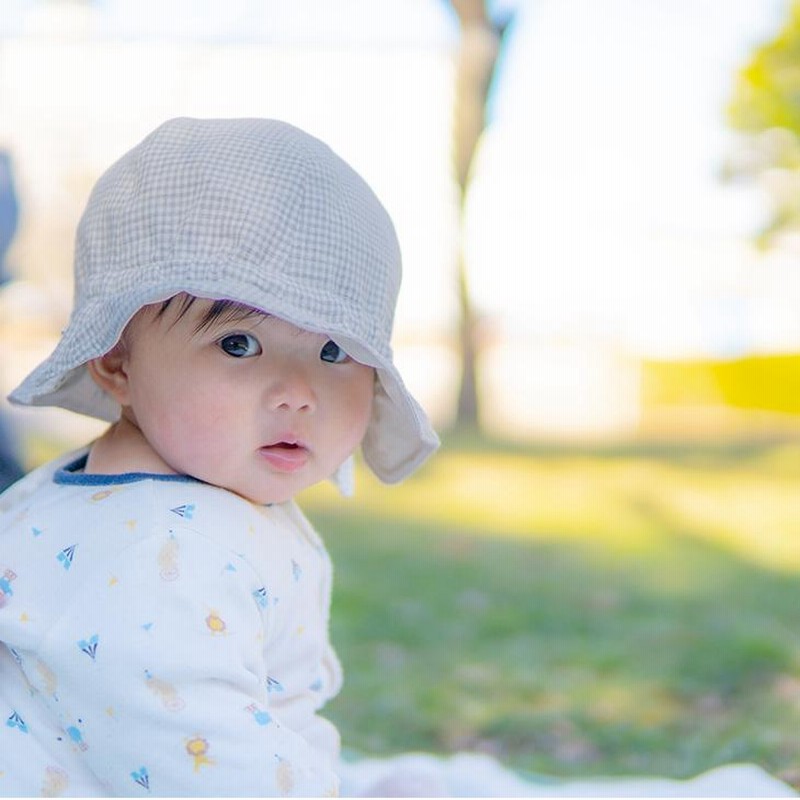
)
(159, 671)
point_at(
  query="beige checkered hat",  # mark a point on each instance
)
(250, 210)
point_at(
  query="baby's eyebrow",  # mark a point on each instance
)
(224, 312)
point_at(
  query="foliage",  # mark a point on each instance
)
(574, 612)
(766, 105)
(767, 87)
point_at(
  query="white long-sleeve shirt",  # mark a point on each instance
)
(161, 636)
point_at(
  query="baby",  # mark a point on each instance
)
(164, 619)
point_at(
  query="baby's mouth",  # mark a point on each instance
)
(285, 456)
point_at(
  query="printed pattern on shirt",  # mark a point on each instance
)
(163, 638)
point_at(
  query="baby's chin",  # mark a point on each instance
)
(266, 489)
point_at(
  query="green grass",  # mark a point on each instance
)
(573, 611)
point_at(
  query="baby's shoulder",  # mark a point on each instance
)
(105, 518)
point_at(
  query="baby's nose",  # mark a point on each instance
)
(291, 391)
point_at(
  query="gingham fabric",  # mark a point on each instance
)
(250, 210)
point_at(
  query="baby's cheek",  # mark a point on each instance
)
(363, 396)
(197, 427)
(204, 403)
(183, 425)
(356, 410)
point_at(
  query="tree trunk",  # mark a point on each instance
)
(479, 48)
(467, 410)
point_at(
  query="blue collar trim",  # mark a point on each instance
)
(71, 475)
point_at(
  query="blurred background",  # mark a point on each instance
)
(598, 206)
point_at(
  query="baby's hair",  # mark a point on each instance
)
(229, 310)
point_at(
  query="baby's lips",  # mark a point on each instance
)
(285, 458)
(289, 440)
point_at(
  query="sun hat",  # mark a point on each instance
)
(252, 210)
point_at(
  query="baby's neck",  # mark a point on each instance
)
(122, 449)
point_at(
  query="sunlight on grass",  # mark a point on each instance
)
(757, 518)
(751, 510)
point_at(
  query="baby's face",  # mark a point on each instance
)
(254, 405)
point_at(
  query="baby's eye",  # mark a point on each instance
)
(332, 353)
(240, 345)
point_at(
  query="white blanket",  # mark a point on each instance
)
(475, 775)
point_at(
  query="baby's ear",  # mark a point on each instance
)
(110, 373)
